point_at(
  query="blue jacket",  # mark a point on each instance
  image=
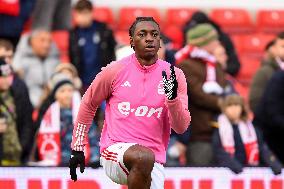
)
(91, 49)
(12, 26)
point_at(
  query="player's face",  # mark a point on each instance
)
(146, 39)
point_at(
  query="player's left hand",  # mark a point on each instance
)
(76, 158)
(171, 84)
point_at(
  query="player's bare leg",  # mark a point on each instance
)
(139, 160)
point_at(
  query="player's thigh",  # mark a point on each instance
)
(112, 161)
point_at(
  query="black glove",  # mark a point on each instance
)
(77, 157)
(170, 85)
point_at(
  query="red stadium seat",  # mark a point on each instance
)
(122, 37)
(233, 20)
(27, 26)
(237, 41)
(254, 44)
(242, 89)
(271, 21)
(179, 16)
(175, 34)
(64, 58)
(61, 38)
(103, 14)
(249, 66)
(127, 16)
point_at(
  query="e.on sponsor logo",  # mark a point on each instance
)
(169, 184)
(125, 109)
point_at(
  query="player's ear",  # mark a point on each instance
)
(131, 42)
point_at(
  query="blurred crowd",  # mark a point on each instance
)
(41, 87)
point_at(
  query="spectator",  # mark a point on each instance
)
(166, 51)
(52, 15)
(16, 106)
(198, 17)
(176, 153)
(35, 60)
(206, 81)
(269, 51)
(91, 43)
(55, 132)
(3, 129)
(232, 84)
(263, 75)
(6, 50)
(67, 100)
(12, 25)
(269, 114)
(237, 143)
(178, 143)
(48, 97)
(70, 70)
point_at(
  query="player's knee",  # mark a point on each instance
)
(141, 159)
(146, 157)
(145, 162)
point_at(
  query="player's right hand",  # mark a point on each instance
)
(77, 157)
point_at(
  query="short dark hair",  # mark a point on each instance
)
(6, 44)
(141, 19)
(83, 5)
(280, 35)
(269, 44)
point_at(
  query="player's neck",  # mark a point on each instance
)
(146, 61)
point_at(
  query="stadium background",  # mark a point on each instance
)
(250, 23)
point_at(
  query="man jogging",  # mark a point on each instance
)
(146, 97)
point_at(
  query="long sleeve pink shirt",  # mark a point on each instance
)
(137, 110)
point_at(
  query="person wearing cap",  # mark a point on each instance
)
(233, 63)
(52, 146)
(206, 82)
(63, 95)
(16, 105)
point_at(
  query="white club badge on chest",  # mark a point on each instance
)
(161, 88)
(96, 38)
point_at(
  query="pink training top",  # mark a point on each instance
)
(137, 110)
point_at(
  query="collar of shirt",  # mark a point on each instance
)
(144, 68)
